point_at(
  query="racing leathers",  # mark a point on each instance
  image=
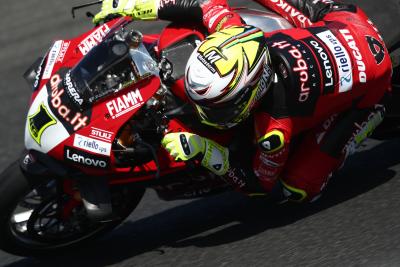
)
(332, 74)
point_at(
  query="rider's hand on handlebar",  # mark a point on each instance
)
(186, 146)
(183, 146)
(137, 9)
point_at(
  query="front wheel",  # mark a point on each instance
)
(38, 218)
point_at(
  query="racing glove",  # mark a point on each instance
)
(137, 9)
(185, 146)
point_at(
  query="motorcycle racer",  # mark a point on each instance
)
(323, 84)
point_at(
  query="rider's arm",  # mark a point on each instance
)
(303, 13)
(273, 139)
(214, 14)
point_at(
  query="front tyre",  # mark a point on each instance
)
(39, 218)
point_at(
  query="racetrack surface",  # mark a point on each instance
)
(356, 223)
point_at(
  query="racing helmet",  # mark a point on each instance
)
(227, 74)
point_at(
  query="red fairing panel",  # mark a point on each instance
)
(66, 53)
(174, 33)
(107, 117)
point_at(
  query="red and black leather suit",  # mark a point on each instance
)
(332, 75)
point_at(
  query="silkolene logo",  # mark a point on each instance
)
(82, 158)
(92, 145)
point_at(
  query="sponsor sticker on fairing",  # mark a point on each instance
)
(39, 122)
(93, 39)
(51, 59)
(63, 51)
(342, 59)
(43, 130)
(92, 145)
(101, 134)
(85, 159)
(71, 90)
(38, 74)
(125, 103)
(77, 120)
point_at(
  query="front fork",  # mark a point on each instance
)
(93, 192)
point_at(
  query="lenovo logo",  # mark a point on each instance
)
(85, 159)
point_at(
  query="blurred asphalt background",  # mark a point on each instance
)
(356, 223)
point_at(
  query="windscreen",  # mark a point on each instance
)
(107, 68)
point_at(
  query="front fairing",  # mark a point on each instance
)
(78, 135)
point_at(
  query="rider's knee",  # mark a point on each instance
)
(300, 191)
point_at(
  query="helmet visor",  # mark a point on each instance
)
(228, 114)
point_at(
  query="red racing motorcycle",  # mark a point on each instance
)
(100, 106)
